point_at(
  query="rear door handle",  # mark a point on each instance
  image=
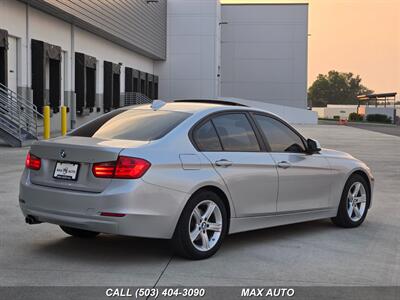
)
(223, 163)
(284, 164)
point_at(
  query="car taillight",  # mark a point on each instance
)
(124, 168)
(104, 170)
(130, 167)
(32, 162)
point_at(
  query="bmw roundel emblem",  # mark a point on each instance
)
(63, 154)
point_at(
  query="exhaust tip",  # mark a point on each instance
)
(31, 220)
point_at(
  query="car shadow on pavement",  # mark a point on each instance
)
(261, 237)
(111, 248)
(121, 249)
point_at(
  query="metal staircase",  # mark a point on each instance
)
(18, 118)
(133, 98)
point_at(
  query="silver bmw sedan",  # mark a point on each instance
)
(191, 171)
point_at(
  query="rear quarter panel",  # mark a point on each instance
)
(167, 157)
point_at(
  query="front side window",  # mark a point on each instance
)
(206, 138)
(236, 133)
(280, 137)
(133, 124)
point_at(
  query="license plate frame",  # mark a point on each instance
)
(66, 170)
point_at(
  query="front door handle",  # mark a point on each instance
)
(284, 164)
(223, 163)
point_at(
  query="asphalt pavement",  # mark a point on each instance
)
(308, 254)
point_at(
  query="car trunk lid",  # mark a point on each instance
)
(83, 151)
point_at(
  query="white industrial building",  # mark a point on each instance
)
(342, 111)
(336, 111)
(96, 56)
(264, 53)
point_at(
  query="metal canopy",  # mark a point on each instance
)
(377, 99)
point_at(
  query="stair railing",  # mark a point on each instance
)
(18, 116)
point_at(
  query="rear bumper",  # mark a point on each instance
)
(150, 211)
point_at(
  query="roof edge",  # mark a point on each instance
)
(242, 4)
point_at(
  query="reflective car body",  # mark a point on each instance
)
(260, 187)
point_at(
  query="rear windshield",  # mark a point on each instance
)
(133, 124)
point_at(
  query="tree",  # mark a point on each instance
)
(336, 88)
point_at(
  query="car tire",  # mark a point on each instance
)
(199, 233)
(353, 208)
(80, 233)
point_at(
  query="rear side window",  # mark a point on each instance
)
(280, 137)
(206, 138)
(236, 133)
(133, 124)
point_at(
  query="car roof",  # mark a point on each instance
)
(185, 107)
(198, 105)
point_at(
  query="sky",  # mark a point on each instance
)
(358, 36)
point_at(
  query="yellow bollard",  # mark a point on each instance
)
(46, 122)
(63, 120)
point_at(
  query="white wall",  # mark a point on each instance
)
(330, 111)
(105, 50)
(102, 49)
(344, 110)
(320, 111)
(60, 35)
(264, 53)
(13, 19)
(388, 111)
(26, 23)
(290, 114)
(192, 50)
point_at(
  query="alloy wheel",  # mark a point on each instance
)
(205, 225)
(356, 201)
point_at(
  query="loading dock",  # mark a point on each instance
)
(143, 85)
(150, 86)
(155, 80)
(136, 81)
(85, 82)
(128, 80)
(54, 83)
(46, 75)
(131, 85)
(111, 86)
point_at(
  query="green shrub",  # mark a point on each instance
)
(336, 117)
(378, 118)
(355, 117)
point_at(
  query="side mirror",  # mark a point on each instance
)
(313, 146)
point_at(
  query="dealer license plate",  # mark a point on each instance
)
(68, 171)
